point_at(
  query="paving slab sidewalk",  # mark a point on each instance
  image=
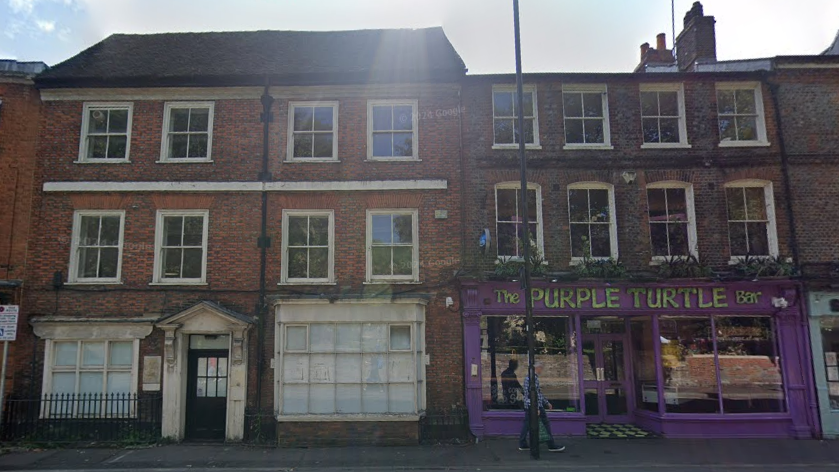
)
(494, 454)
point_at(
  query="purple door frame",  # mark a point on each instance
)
(777, 298)
(601, 385)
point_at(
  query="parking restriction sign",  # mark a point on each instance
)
(8, 322)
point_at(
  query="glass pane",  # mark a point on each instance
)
(746, 128)
(93, 354)
(295, 399)
(687, 358)
(319, 230)
(668, 103)
(734, 199)
(221, 389)
(222, 367)
(172, 230)
(507, 239)
(298, 263)
(643, 362)
(725, 102)
(745, 101)
(296, 338)
(755, 203)
(657, 204)
(319, 263)
(580, 241)
(403, 229)
(179, 119)
(108, 261)
(649, 129)
(589, 360)
(110, 231)
(323, 119)
(178, 145)
(348, 368)
(97, 147)
(209, 341)
(599, 205)
(212, 366)
(119, 383)
(121, 353)
(374, 368)
(89, 231)
(506, 204)
(193, 230)
(669, 130)
(593, 131)
(382, 118)
(402, 118)
(528, 132)
(593, 104)
(758, 239)
(616, 403)
(323, 145)
(574, 132)
(403, 144)
(348, 398)
(202, 366)
(296, 368)
(728, 129)
(502, 103)
(323, 337)
(504, 362)
(649, 103)
(303, 145)
(322, 399)
(298, 230)
(750, 368)
(117, 147)
(528, 104)
(829, 327)
(678, 233)
(303, 118)
(64, 383)
(193, 261)
(90, 383)
(677, 204)
(118, 121)
(400, 338)
(592, 402)
(88, 262)
(578, 205)
(98, 121)
(613, 360)
(403, 260)
(349, 338)
(504, 131)
(322, 368)
(383, 144)
(737, 239)
(572, 105)
(66, 353)
(382, 230)
(401, 398)
(197, 145)
(374, 398)
(382, 261)
(532, 209)
(374, 337)
(600, 241)
(199, 119)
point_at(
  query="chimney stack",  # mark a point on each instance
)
(661, 42)
(658, 56)
(644, 48)
(697, 43)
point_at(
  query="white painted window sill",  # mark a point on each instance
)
(392, 282)
(514, 147)
(184, 161)
(102, 161)
(197, 284)
(360, 417)
(303, 160)
(725, 144)
(393, 159)
(587, 147)
(665, 146)
(98, 282)
(307, 283)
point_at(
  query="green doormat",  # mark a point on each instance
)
(617, 431)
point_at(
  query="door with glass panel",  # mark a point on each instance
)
(206, 402)
(825, 337)
(606, 377)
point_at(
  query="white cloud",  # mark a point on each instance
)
(45, 26)
(22, 6)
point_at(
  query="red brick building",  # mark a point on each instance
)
(19, 106)
(665, 295)
(251, 225)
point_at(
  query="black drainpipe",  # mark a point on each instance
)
(793, 234)
(264, 243)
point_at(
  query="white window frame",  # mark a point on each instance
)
(72, 276)
(771, 224)
(539, 220)
(165, 135)
(49, 369)
(679, 88)
(603, 89)
(525, 89)
(693, 249)
(414, 104)
(414, 277)
(83, 141)
(613, 225)
(330, 279)
(760, 119)
(290, 136)
(158, 248)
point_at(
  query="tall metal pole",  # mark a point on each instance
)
(533, 412)
(3, 381)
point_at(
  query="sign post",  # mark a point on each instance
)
(8, 332)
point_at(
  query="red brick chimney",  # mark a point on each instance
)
(660, 56)
(697, 43)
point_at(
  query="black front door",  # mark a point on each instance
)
(206, 397)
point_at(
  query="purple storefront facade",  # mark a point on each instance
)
(681, 359)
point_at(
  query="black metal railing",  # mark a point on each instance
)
(450, 425)
(68, 418)
(260, 426)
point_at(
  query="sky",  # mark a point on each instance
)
(557, 35)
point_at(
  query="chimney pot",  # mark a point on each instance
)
(644, 48)
(696, 11)
(661, 42)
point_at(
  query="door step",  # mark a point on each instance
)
(617, 431)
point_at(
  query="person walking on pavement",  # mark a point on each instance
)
(543, 416)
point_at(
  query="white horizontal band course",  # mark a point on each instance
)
(334, 186)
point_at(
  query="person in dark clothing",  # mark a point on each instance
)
(510, 386)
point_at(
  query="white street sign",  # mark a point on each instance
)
(8, 322)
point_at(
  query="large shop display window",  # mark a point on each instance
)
(504, 362)
(720, 364)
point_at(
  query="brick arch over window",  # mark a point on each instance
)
(764, 174)
(669, 175)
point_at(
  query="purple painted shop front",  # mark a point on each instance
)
(680, 359)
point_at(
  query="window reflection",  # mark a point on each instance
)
(504, 361)
(643, 363)
(687, 359)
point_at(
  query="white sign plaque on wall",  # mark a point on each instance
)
(8, 322)
(151, 373)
